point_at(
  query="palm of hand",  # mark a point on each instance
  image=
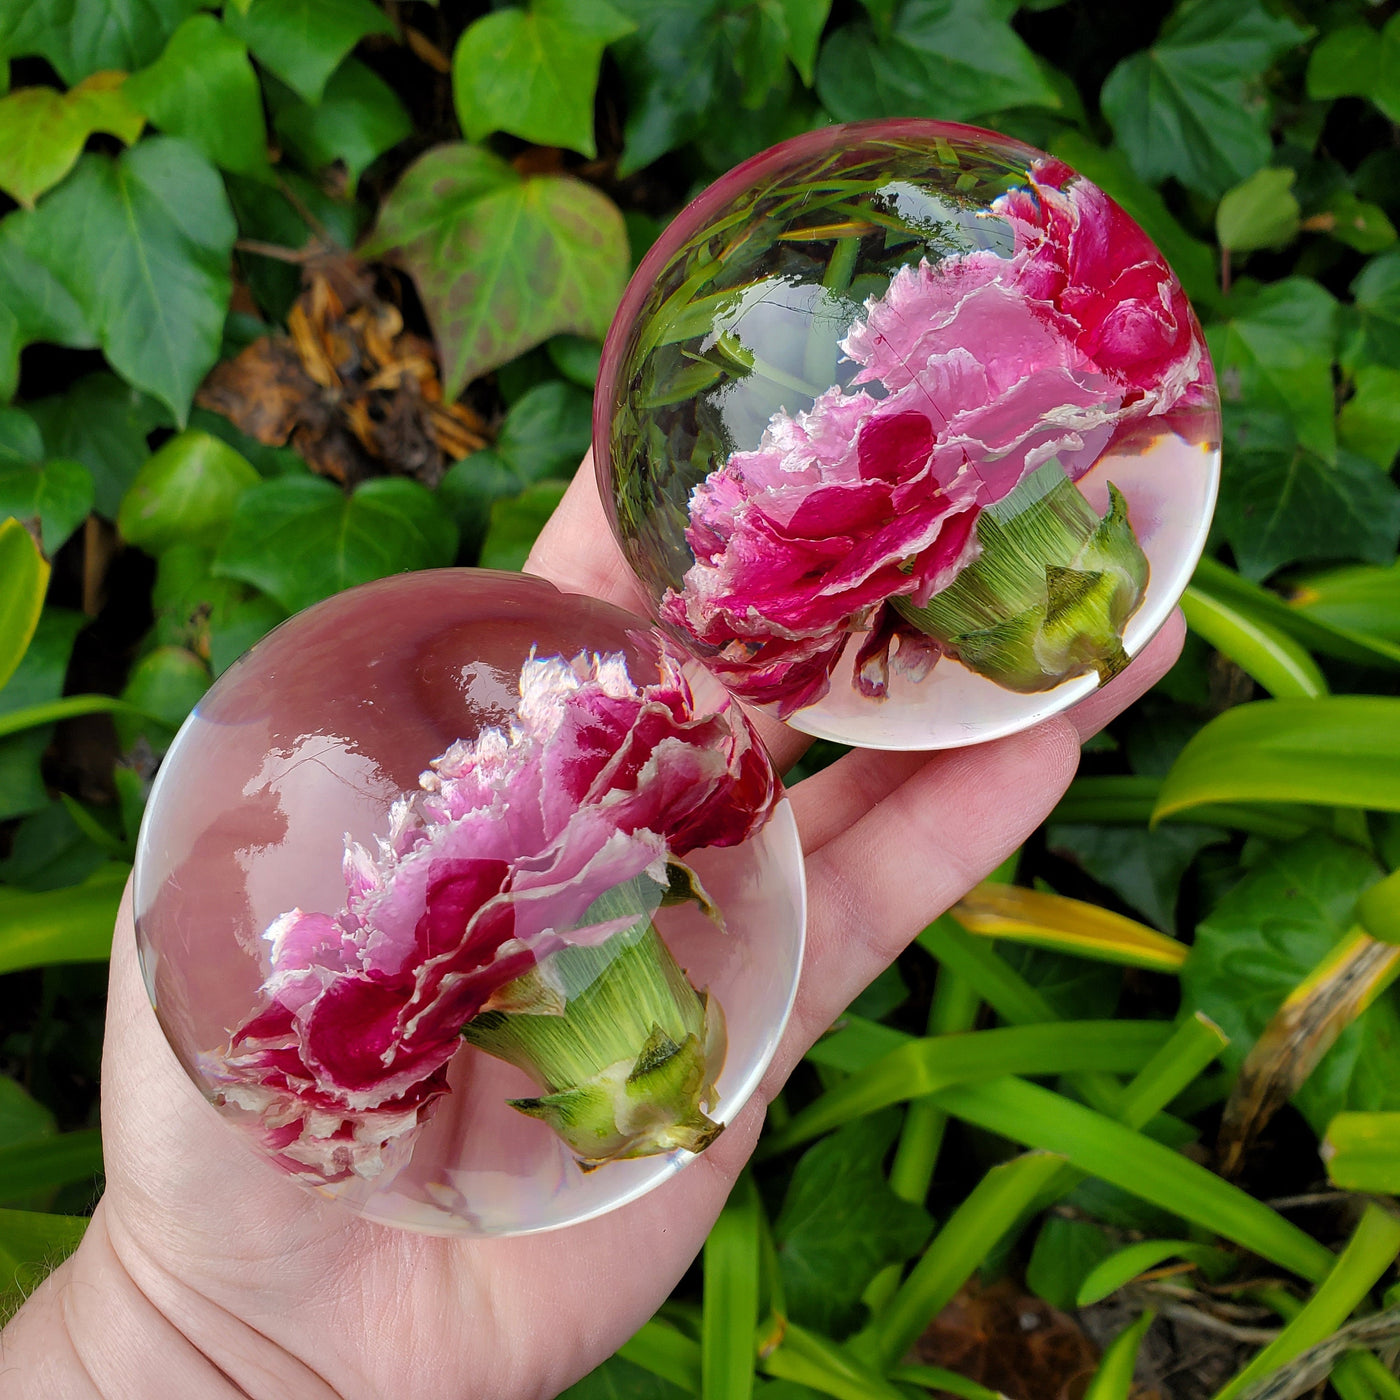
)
(290, 1295)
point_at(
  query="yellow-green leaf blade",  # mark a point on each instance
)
(1340, 750)
(1066, 925)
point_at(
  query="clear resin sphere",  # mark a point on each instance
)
(909, 433)
(470, 903)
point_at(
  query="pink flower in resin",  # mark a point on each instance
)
(973, 371)
(804, 540)
(1108, 286)
(490, 867)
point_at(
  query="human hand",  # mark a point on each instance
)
(206, 1272)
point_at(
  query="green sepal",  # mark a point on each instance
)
(1050, 592)
(624, 1048)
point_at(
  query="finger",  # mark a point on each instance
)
(576, 550)
(874, 885)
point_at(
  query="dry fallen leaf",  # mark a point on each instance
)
(354, 392)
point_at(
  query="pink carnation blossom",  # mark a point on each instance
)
(985, 367)
(490, 867)
(1108, 286)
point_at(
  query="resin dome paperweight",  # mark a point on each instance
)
(470, 903)
(909, 433)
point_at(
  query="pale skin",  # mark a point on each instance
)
(207, 1273)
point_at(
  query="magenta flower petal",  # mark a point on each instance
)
(491, 867)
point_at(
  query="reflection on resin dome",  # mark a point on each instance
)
(471, 904)
(909, 432)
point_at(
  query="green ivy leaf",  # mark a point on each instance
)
(516, 523)
(804, 21)
(469, 489)
(185, 493)
(49, 850)
(20, 438)
(1374, 335)
(547, 431)
(52, 497)
(42, 132)
(1144, 868)
(34, 305)
(166, 684)
(358, 119)
(103, 424)
(534, 72)
(203, 88)
(1191, 105)
(1356, 61)
(1275, 353)
(953, 59)
(269, 215)
(1263, 938)
(1369, 422)
(1360, 225)
(576, 358)
(691, 61)
(142, 243)
(39, 678)
(304, 41)
(300, 539)
(840, 1224)
(502, 263)
(1064, 1253)
(80, 37)
(1261, 212)
(1281, 504)
(55, 494)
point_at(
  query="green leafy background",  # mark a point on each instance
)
(168, 170)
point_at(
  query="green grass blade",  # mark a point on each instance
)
(972, 1230)
(927, 1065)
(1365, 1368)
(1124, 1265)
(32, 1244)
(1317, 634)
(1264, 653)
(73, 924)
(1368, 1254)
(731, 1297)
(953, 1010)
(1360, 598)
(987, 972)
(938, 1378)
(46, 1162)
(1129, 799)
(667, 1352)
(1095, 1144)
(1114, 1378)
(812, 1360)
(1194, 1044)
(32, 716)
(1362, 1152)
(855, 1044)
(1341, 750)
